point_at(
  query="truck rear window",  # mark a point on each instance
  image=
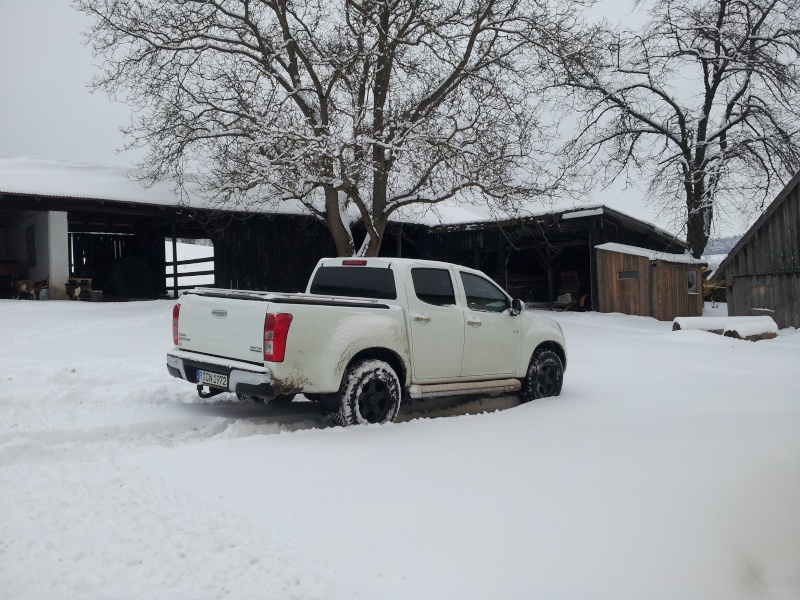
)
(354, 282)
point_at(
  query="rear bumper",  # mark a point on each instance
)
(243, 378)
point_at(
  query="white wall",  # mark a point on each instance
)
(51, 249)
(58, 254)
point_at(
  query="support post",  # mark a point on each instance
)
(174, 263)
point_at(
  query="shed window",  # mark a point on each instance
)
(692, 281)
(629, 274)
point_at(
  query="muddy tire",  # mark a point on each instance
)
(370, 394)
(545, 376)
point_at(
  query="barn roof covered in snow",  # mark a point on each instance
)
(46, 178)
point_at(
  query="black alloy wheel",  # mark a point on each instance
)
(370, 394)
(548, 381)
(545, 376)
(374, 401)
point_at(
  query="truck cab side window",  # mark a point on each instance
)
(483, 295)
(433, 286)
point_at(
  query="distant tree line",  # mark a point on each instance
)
(722, 245)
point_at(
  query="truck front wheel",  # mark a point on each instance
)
(370, 394)
(545, 376)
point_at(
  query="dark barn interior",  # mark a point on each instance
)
(115, 247)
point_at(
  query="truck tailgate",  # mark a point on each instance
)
(231, 328)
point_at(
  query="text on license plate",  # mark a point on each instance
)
(212, 379)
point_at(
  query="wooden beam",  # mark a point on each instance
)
(191, 273)
(194, 261)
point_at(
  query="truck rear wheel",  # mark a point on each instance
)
(370, 394)
(545, 376)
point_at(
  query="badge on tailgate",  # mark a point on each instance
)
(219, 312)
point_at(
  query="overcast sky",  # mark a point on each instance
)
(46, 110)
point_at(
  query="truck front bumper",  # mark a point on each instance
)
(243, 378)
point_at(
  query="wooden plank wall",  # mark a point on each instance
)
(275, 254)
(91, 255)
(764, 275)
(627, 296)
(671, 297)
(773, 295)
(661, 291)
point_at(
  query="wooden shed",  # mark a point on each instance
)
(638, 281)
(762, 272)
(543, 258)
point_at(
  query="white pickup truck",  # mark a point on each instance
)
(367, 335)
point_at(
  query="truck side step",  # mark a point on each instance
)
(491, 388)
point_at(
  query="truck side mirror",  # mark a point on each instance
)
(517, 307)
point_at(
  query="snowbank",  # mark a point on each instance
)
(665, 470)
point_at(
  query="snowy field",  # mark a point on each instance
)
(669, 469)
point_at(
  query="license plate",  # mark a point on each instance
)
(212, 379)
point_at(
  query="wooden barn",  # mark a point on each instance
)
(638, 281)
(278, 252)
(762, 272)
(85, 229)
(548, 259)
(93, 229)
(96, 227)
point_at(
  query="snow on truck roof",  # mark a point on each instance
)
(385, 261)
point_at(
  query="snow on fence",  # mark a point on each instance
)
(744, 328)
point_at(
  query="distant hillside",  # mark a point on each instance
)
(721, 245)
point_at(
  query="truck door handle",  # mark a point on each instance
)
(420, 317)
(474, 322)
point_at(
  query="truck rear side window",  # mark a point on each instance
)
(433, 286)
(355, 282)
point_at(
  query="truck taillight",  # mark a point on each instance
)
(276, 330)
(176, 311)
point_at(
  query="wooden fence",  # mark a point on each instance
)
(176, 276)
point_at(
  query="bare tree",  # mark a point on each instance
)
(351, 109)
(704, 100)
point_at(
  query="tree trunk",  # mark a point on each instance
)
(698, 220)
(333, 219)
(375, 243)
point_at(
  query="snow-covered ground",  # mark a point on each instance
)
(668, 468)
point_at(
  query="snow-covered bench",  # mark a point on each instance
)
(744, 328)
